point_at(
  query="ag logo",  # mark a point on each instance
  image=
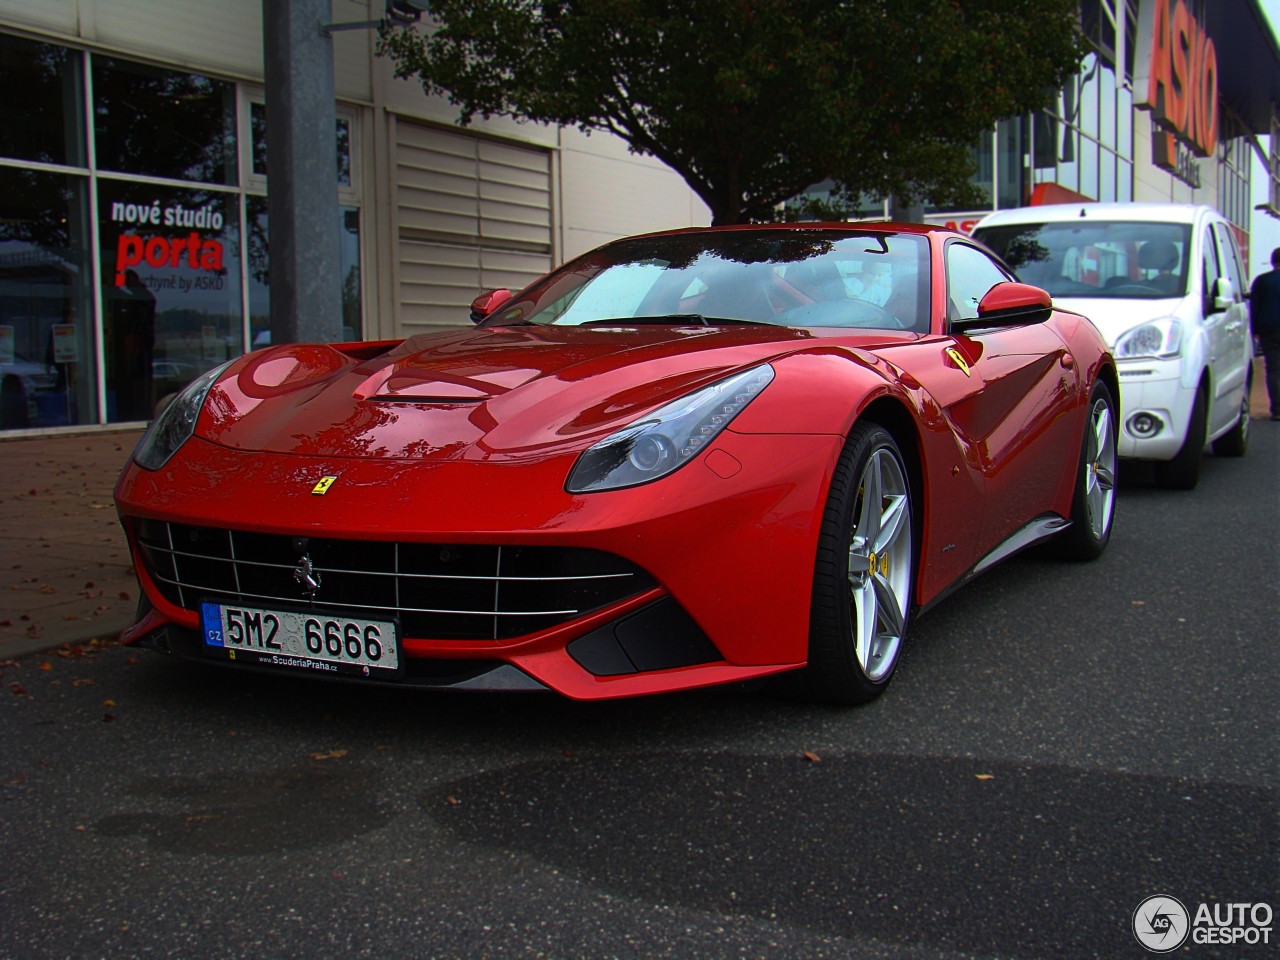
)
(1161, 924)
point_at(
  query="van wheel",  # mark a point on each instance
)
(1236, 442)
(1183, 471)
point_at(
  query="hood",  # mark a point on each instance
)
(480, 394)
(1114, 316)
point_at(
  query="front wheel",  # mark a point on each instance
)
(1183, 471)
(863, 575)
(1235, 443)
(1093, 507)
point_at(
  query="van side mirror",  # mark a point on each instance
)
(1010, 304)
(488, 302)
(1224, 294)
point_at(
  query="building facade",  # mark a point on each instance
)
(1112, 134)
(134, 243)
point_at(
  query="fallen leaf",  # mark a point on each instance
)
(812, 757)
(17, 688)
(200, 817)
(33, 631)
(984, 776)
(46, 665)
(131, 660)
(81, 829)
(33, 491)
(47, 589)
(124, 594)
(10, 663)
(451, 801)
(83, 682)
(1139, 603)
(70, 616)
(108, 717)
(16, 780)
(88, 586)
(568, 753)
(6, 623)
(381, 747)
(331, 755)
(108, 703)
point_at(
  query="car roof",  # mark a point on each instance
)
(852, 226)
(1059, 212)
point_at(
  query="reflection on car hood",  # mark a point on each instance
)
(500, 393)
(1114, 316)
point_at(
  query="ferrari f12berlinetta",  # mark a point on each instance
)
(681, 459)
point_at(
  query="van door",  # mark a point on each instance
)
(1238, 345)
(1216, 322)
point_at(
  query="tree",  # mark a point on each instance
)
(753, 101)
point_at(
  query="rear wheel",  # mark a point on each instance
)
(1093, 507)
(1183, 471)
(863, 576)
(1236, 442)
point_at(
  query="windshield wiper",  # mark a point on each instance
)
(675, 318)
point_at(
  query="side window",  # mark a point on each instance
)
(1230, 256)
(970, 274)
(1212, 272)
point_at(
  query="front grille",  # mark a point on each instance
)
(438, 591)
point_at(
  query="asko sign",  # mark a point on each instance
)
(1180, 87)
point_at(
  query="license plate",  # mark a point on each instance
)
(306, 640)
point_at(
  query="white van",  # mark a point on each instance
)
(1165, 285)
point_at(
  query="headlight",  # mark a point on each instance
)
(1159, 338)
(668, 438)
(176, 423)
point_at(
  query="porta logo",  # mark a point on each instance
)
(1161, 923)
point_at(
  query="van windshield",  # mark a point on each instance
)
(1118, 259)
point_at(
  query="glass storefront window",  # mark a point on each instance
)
(170, 287)
(42, 119)
(1107, 105)
(1088, 167)
(162, 123)
(46, 306)
(1107, 177)
(1011, 139)
(349, 233)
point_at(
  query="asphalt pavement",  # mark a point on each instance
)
(1061, 741)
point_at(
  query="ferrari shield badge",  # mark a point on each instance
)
(322, 487)
(952, 352)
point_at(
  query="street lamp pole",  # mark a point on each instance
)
(302, 186)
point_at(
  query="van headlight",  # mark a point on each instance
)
(1158, 338)
(668, 438)
(177, 422)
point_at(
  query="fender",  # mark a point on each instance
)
(1194, 354)
(820, 391)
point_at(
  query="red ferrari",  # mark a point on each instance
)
(682, 459)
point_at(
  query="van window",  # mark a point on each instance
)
(1231, 258)
(1091, 258)
(1211, 270)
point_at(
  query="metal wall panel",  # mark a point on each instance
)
(472, 214)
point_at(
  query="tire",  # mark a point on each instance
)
(1236, 442)
(858, 618)
(1183, 471)
(1093, 503)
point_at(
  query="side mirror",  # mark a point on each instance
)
(1010, 304)
(1224, 295)
(488, 302)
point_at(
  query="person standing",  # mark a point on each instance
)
(1264, 318)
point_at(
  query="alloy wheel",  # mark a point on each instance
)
(1100, 478)
(880, 564)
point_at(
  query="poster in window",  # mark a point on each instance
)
(65, 349)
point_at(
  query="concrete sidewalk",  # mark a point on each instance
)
(65, 572)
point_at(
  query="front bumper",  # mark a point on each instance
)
(1154, 388)
(734, 553)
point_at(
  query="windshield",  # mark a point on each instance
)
(792, 278)
(1092, 259)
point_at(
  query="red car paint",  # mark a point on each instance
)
(731, 536)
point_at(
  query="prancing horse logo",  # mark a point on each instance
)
(307, 576)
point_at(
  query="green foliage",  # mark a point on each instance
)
(752, 101)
